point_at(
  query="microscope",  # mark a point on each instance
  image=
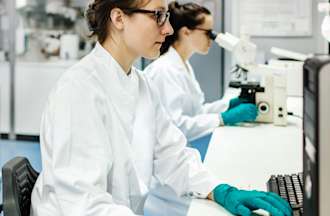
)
(269, 93)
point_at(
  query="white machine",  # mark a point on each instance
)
(269, 93)
(292, 63)
(325, 28)
(244, 52)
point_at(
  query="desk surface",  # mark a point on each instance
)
(276, 150)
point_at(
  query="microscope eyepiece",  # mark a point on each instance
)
(213, 35)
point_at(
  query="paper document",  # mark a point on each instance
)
(275, 18)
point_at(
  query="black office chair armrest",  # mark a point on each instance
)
(0, 208)
(18, 178)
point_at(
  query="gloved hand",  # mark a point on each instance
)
(242, 202)
(234, 102)
(240, 113)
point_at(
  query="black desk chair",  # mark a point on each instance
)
(18, 179)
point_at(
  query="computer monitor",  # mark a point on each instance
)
(316, 129)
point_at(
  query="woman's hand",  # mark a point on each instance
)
(243, 202)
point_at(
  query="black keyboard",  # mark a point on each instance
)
(290, 188)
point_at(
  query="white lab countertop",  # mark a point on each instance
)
(248, 155)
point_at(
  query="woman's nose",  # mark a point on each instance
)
(167, 29)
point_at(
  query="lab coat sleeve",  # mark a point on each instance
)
(223, 104)
(176, 165)
(217, 106)
(81, 159)
(195, 126)
(174, 98)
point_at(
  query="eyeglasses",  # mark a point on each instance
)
(161, 16)
(209, 32)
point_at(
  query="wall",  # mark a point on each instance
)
(4, 97)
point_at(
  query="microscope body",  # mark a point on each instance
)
(269, 94)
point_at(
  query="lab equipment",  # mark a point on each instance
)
(288, 54)
(269, 96)
(316, 129)
(50, 45)
(60, 8)
(244, 52)
(316, 137)
(69, 46)
(325, 27)
(292, 63)
(243, 202)
(248, 90)
(240, 113)
(271, 102)
(290, 188)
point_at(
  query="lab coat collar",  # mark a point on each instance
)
(103, 54)
(188, 72)
(115, 72)
(178, 61)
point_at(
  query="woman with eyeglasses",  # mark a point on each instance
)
(176, 82)
(104, 135)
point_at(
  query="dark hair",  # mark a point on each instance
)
(183, 15)
(98, 15)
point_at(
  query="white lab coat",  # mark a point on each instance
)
(182, 96)
(104, 137)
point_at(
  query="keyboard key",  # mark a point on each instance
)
(290, 188)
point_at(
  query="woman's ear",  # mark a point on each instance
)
(117, 18)
(184, 32)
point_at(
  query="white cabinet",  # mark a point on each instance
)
(33, 84)
(4, 97)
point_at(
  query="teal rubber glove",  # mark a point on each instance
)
(240, 113)
(234, 102)
(242, 202)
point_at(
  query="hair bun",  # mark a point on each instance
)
(90, 16)
(174, 5)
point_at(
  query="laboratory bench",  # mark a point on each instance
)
(246, 156)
